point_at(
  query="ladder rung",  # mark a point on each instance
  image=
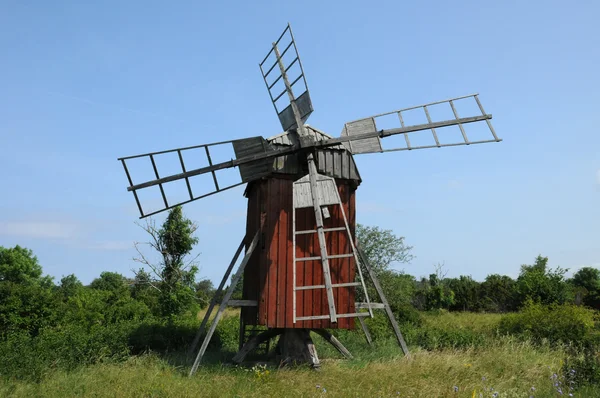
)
(353, 315)
(349, 284)
(314, 231)
(328, 257)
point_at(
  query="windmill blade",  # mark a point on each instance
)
(251, 156)
(276, 79)
(364, 135)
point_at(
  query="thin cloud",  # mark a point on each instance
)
(43, 230)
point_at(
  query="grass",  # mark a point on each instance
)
(509, 365)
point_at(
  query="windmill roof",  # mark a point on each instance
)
(290, 139)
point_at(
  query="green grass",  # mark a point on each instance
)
(511, 367)
(467, 354)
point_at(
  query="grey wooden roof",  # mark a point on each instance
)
(335, 161)
(290, 139)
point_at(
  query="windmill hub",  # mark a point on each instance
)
(302, 267)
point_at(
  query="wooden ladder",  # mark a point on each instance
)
(318, 191)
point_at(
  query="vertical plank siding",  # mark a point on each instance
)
(268, 277)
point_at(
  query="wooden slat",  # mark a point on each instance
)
(289, 256)
(334, 285)
(375, 306)
(314, 231)
(242, 303)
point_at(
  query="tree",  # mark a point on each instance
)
(498, 293)
(466, 293)
(204, 292)
(69, 286)
(586, 281)
(539, 284)
(382, 247)
(19, 265)
(173, 276)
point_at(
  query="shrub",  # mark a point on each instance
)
(557, 323)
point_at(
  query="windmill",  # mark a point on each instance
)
(302, 267)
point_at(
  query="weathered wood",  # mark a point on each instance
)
(365, 329)
(254, 342)
(312, 171)
(388, 310)
(296, 347)
(213, 301)
(223, 305)
(375, 306)
(242, 303)
(334, 342)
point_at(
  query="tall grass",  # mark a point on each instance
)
(509, 366)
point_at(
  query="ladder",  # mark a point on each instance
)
(318, 191)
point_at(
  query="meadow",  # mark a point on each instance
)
(461, 355)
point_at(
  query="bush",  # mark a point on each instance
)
(66, 348)
(568, 324)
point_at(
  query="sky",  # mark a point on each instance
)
(84, 83)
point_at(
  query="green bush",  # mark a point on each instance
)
(568, 324)
(66, 348)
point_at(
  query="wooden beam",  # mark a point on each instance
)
(388, 310)
(242, 303)
(334, 342)
(213, 301)
(223, 305)
(365, 329)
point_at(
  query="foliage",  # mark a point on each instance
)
(174, 278)
(26, 307)
(382, 247)
(568, 324)
(466, 293)
(497, 294)
(204, 292)
(19, 265)
(586, 282)
(539, 284)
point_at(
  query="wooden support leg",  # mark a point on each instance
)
(365, 329)
(213, 301)
(254, 342)
(387, 308)
(223, 305)
(334, 342)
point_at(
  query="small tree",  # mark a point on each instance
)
(174, 275)
(539, 284)
(382, 247)
(586, 282)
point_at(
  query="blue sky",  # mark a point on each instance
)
(83, 84)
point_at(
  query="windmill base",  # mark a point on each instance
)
(295, 346)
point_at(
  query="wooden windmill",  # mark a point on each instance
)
(302, 265)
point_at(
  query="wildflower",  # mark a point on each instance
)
(532, 388)
(495, 395)
(455, 388)
(318, 386)
(483, 378)
(324, 389)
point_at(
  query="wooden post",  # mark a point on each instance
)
(334, 342)
(213, 301)
(312, 171)
(388, 310)
(223, 305)
(295, 347)
(365, 329)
